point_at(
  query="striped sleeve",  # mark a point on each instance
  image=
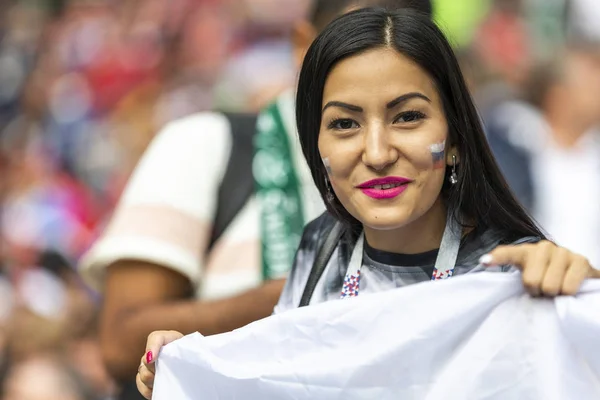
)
(166, 211)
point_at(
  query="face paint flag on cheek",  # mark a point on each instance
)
(327, 165)
(437, 154)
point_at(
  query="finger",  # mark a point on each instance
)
(535, 266)
(146, 375)
(506, 255)
(555, 274)
(143, 389)
(156, 340)
(578, 271)
(148, 359)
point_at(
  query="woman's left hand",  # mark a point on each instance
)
(547, 269)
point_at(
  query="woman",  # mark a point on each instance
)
(397, 151)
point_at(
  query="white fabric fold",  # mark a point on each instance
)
(475, 336)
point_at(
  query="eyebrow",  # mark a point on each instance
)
(340, 104)
(405, 97)
(398, 100)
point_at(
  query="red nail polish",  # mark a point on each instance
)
(149, 357)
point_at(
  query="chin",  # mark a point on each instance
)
(386, 219)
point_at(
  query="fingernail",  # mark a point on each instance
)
(149, 357)
(486, 259)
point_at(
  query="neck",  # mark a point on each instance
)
(418, 236)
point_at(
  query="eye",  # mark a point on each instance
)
(343, 124)
(409, 116)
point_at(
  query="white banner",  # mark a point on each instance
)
(475, 336)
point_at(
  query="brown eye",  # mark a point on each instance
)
(343, 124)
(409, 116)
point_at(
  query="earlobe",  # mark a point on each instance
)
(452, 157)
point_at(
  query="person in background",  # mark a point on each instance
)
(153, 263)
(549, 147)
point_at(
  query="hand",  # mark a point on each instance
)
(145, 376)
(547, 269)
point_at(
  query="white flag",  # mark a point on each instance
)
(475, 336)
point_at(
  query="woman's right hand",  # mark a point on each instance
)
(145, 377)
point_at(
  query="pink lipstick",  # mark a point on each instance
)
(384, 188)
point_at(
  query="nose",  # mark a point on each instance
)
(378, 152)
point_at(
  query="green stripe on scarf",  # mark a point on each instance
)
(281, 212)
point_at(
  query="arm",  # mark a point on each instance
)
(141, 298)
(151, 257)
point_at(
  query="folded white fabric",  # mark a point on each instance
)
(470, 337)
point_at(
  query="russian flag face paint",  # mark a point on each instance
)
(327, 165)
(437, 154)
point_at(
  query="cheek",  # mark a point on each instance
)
(338, 173)
(438, 152)
(427, 156)
(429, 160)
(338, 157)
(428, 188)
(336, 167)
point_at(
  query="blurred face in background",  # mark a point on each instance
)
(582, 83)
(572, 102)
(304, 32)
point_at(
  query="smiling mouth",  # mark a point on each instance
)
(376, 189)
(388, 182)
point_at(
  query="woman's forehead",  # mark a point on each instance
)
(378, 73)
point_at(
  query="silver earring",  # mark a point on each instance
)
(453, 176)
(329, 196)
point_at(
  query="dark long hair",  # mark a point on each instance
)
(481, 196)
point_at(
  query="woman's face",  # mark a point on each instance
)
(383, 138)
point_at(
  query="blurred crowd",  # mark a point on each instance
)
(85, 84)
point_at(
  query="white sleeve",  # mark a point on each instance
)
(166, 211)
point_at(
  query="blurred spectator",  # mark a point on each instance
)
(85, 86)
(549, 148)
(501, 50)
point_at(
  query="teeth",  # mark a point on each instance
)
(386, 186)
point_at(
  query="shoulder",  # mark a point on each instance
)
(313, 237)
(198, 129)
(322, 221)
(483, 240)
(196, 142)
(315, 231)
(192, 149)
